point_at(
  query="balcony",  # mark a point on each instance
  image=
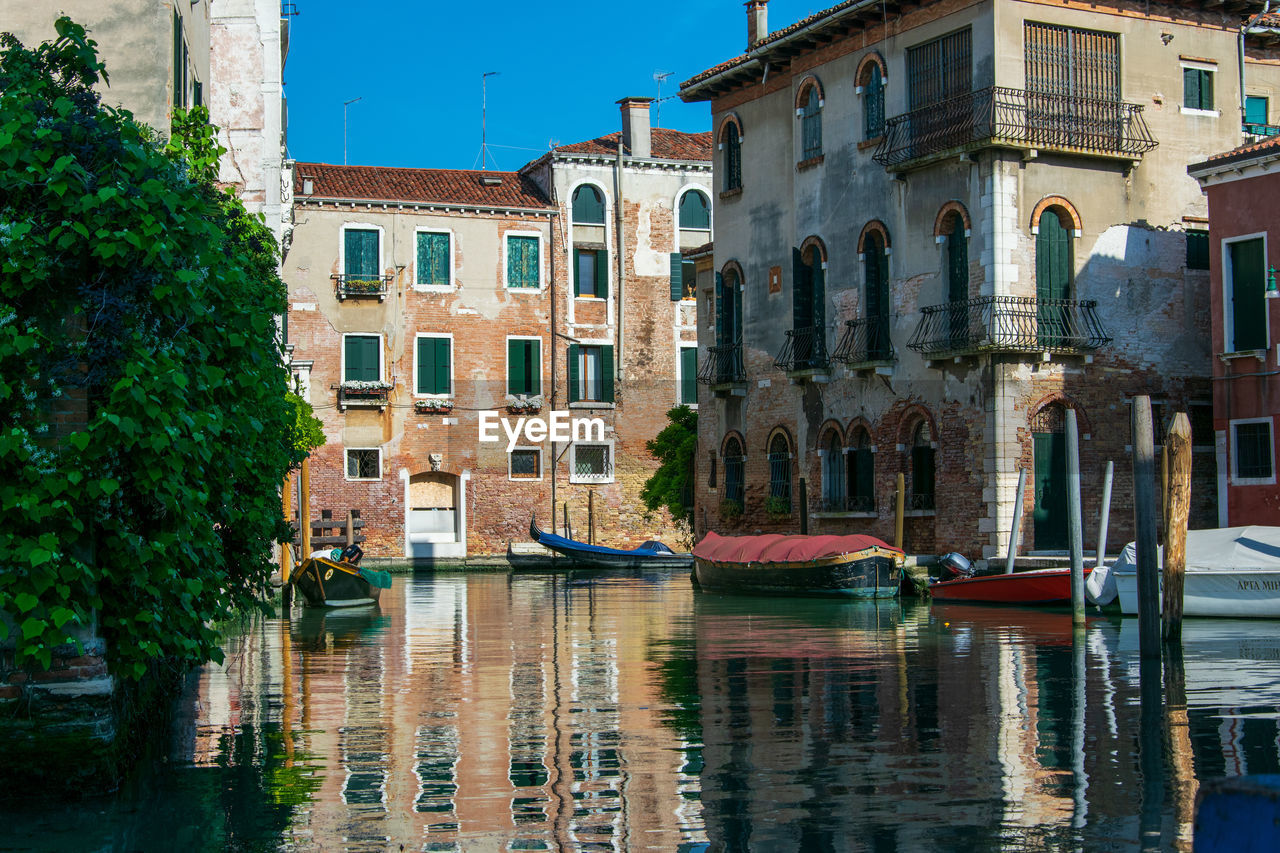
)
(866, 344)
(804, 355)
(999, 117)
(362, 286)
(1009, 324)
(842, 504)
(364, 395)
(723, 368)
(1260, 131)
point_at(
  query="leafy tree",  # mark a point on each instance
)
(671, 486)
(136, 300)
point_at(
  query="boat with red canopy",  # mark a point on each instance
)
(854, 566)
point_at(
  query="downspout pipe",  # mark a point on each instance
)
(622, 267)
(1266, 7)
(551, 339)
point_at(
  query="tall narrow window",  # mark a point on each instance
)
(833, 471)
(360, 255)
(590, 373)
(732, 158)
(875, 262)
(957, 279)
(523, 265)
(433, 259)
(1197, 249)
(1055, 273)
(811, 125)
(524, 367)
(434, 365)
(1253, 451)
(1247, 317)
(873, 103)
(361, 359)
(689, 376)
(922, 468)
(779, 475)
(588, 206)
(861, 473)
(590, 273)
(734, 482)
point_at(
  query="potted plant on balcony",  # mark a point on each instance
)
(777, 508)
(365, 389)
(521, 404)
(441, 405)
(362, 285)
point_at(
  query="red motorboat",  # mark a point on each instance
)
(1039, 586)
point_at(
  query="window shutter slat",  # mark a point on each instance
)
(577, 272)
(515, 367)
(426, 365)
(442, 347)
(533, 366)
(602, 275)
(720, 310)
(677, 276)
(574, 390)
(688, 375)
(606, 369)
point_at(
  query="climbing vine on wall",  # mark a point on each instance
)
(144, 426)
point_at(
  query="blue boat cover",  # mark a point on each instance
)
(560, 543)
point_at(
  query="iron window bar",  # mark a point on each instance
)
(723, 365)
(1018, 118)
(865, 342)
(849, 503)
(1009, 324)
(804, 349)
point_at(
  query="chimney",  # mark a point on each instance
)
(635, 126)
(757, 21)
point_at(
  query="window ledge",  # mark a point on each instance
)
(870, 143)
(434, 288)
(809, 163)
(733, 193)
(1259, 354)
(846, 515)
(597, 481)
(1192, 111)
(529, 290)
(1253, 481)
(920, 513)
(592, 404)
(591, 298)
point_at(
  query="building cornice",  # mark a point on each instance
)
(391, 206)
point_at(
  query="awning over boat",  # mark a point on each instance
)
(776, 548)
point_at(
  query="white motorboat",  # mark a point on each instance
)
(1231, 571)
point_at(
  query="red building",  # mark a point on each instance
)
(1242, 186)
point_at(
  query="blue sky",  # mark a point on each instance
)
(417, 66)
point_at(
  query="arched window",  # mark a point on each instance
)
(732, 158)
(1049, 461)
(733, 473)
(779, 501)
(833, 469)
(808, 307)
(957, 278)
(872, 102)
(588, 206)
(811, 125)
(875, 261)
(1055, 274)
(861, 473)
(922, 467)
(695, 212)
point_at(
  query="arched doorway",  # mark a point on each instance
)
(435, 517)
(1049, 456)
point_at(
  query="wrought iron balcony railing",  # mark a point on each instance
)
(920, 502)
(1256, 129)
(357, 286)
(723, 366)
(364, 394)
(999, 116)
(1009, 324)
(805, 349)
(865, 342)
(849, 503)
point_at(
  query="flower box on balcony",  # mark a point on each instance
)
(433, 406)
(362, 286)
(520, 404)
(363, 393)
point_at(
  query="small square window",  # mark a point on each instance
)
(526, 463)
(1197, 249)
(1253, 451)
(1197, 89)
(592, 463)
(364, 464)
(433, 259)
(523, 262)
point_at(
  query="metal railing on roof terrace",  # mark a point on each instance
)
(804, 349)
(1255, 129)
(1009, 324)
(723, 365)
(1017, 118)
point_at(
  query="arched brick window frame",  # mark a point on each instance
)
(780, 452)
(877, 226)
(1058, 398)
(809, 104)
(815, 243)
(802, 91)
(860, 466)
(872, 76)
(1065, 209)
(729, 139)
(831, 457)
(918, 438)
(733, 453)
(943, 223)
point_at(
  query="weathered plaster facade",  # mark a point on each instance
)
(973, 407)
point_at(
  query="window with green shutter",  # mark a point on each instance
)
(590, 273)
(434, 366)
(590, 373)
(433, 259)
(588, 206)
(1197, 89)
(1255, 110)
(522, 262)
(524, 367)
(1197, 249)
(360, 253)
(695, 212)
(361, 362)
(1247, 313)
(689, 376)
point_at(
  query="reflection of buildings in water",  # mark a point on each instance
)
(482, 710)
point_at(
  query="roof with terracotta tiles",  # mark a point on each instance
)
(1263, 148)
(441, 186)
(664, 144)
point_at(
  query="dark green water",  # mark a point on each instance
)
(575, 712)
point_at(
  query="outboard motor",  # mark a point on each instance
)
(954, 567)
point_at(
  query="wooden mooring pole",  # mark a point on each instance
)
(304, 509)
(1017, 521)
(1178, 446)
(1104, 514)
(900, 507)
(286, 549)
(591, 516)
(568, 531)
(1144, 523)
(804, 507)
(1075, 532)
(351, 527)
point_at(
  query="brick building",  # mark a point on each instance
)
(1241, 186)
(422, 299)
(970, 216)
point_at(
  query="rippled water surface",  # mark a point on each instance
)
(632, 712)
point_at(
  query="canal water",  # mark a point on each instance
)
(633, 712)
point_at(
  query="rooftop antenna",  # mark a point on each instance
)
(659, 77)
(346, 104)
(484, 118)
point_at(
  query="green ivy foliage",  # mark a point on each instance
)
(671, 486)
(135, 288)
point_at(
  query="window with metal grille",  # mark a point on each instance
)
(695, 212)
(526, 464)
(922, 468)
(811, 125)
(734, 479)
(592, 461)
(433, 259)
(588, 206)
(873, 103)
(522, 262)
(833, 470)
(861, 462)
(780, 473)
(939, 70)
(1197, 250)
(364, 463)
(1197, 89)
(732, 158)
(1253, 451)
